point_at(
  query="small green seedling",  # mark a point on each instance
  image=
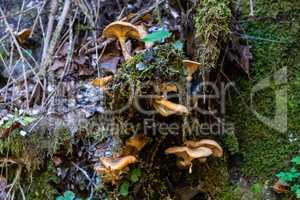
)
(157, 36)
(134, 177)
(17, 120)
(292, 176)
(124, 189)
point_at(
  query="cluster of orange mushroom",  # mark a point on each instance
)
(166, 107)
(112, 168)
(192, 150)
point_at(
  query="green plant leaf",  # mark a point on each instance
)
(60, 198)
(157, 36)
(69, 195)
(289, 176)
(257, 188)
(124, 189)
(296, 160)
(296, 190)
(27, 120)
(135, 175)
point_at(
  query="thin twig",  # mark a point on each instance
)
(84, 173)
(56, 34)
(50, 51)
(20, 12)
(16, 179)
(145, 12)
(53, 9)
(37, 17)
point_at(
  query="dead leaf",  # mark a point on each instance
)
(167, 87)
(80, 60)
(6, 132)
(57, 64)
(63, 51)
(239, 55)
(148, 19)
(110, 63)
(84, 70)
(246, 57)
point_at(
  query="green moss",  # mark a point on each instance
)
(230, 193)
(25, 149)
(214, 176)
(255, 192)
(231, 143)
(152, 67)
(162, 62)
(212, 28)
(275, 44)
(43, 184)
(60, 139)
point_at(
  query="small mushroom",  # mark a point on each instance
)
(211, 144)
(189, 154)
(23, 35)
(122, 31)
(191, 67)
(167, 87)
(280, 187)
(115, 167)
(167, 108)
(135, 143)
(102, 82)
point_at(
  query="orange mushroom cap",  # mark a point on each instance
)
(191, 67)
(113, 168)
(122, 30)
(23, 35)
(137, 141)
(167, 87)
(116, 164)
(189, 154)
(211, 144)
(102, 82)
(167, 108)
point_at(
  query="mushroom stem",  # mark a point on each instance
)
(122, 41)
(191, 168)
